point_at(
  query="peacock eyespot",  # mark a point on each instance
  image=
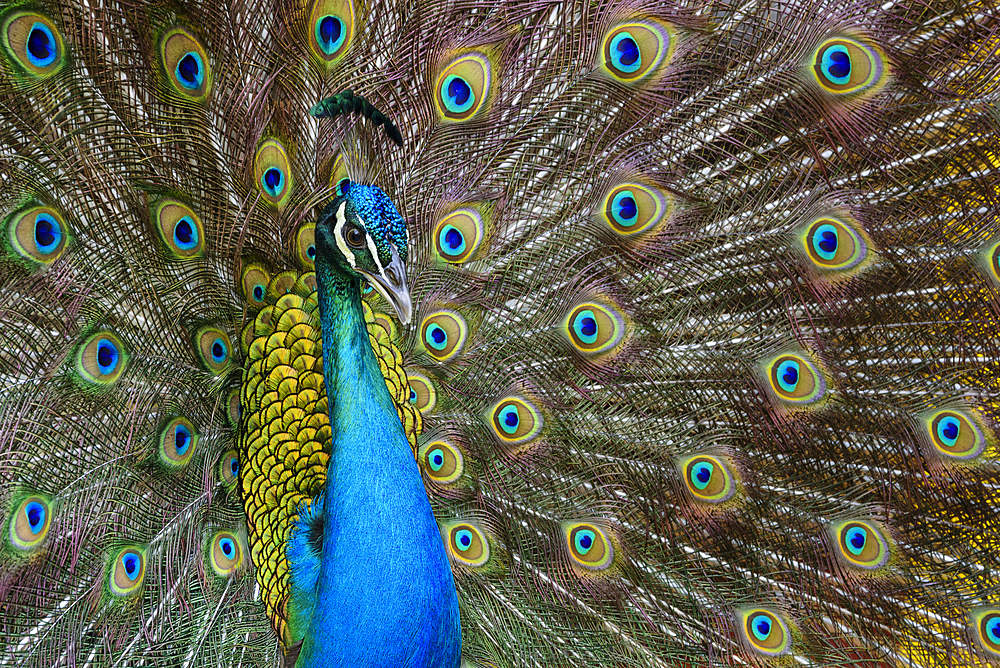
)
(708, 479)
(463, 87)
(255, 280)
(38, 234)
(796, 380)
(834, 245)
(30, 523)
(593, 329)
(177, 443)
(229, 467)
(589, 546)
(214, 349)
(422, 392)
(845, 66)
(765, 632)
(955, 435)
(41, 47)
(633, 51)
(234, 408)
(632, 209)
(330, 33)
(226, 554)
(127, 571)
(985, 623)
(179, 228)
(305, 245)
(457, 236)
(861, 545)
(272, 172)
(34, 43)
(443, 334)
(993, 260)
(442, 462)
(185, 62)
(331, 29)
(273, 181)
(468, 545)
(101, 358)
(515, 420)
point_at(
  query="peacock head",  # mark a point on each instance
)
(361, 233)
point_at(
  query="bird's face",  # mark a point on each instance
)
(362, 234)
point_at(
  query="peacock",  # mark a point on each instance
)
(487, 333)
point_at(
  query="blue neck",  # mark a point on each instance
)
(384, 594)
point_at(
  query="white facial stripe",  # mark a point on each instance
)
(337, 233)
(374, 252)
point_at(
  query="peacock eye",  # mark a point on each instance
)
(355, 237)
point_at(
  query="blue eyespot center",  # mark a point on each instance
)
(825, 242)
(35, 513)
(625, 55)
(761, 626)
(258, 292)
(107, 356)
(948, 430)
(463, 539)
(182, 439)
(836, 64)
(584, 541)
(585, 326)
(701, 474)
(993, 629)
(788, 375)
(452, 241)
(436, 459)
(48, 234)
(413, 396)
(41, 46)
(131, 563)
(628, 51)
(330, 34)
(311, 252)
(510, 418)
(856, 539)
(189, 70)
(840, 64)
(273, 181)
(186, 233)
(624, 209)
(437, 338)
(457, 94)
(459, 91)
(234, 466)
(219, 351)
(226, 545)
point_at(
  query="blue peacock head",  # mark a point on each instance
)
(362, 234)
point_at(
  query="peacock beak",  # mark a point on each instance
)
(391, 284)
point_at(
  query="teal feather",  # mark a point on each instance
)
(704, 321)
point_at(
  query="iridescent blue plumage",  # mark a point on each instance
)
(376, 589)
